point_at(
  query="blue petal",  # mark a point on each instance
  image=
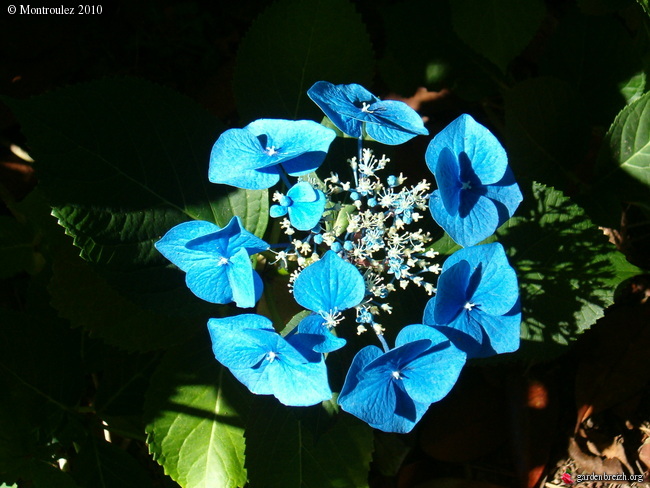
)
(305, 214)
(392, 122)
(301, 145)
(342, 104)
(229, 240)
(232, 344)
(452, 294)
(506, 192)
(234, 158)
(300, 384)
(208, 280)
(503, 332)
(479, 224)
(313, 325)
(370, 397)
(173, 243)
(303, 192)
(277, 211)
(465, 135)
(448, 178)
(330, 284)
(406, 416)
(417, 332)
(243, 344)
(497, 289)
(240, 278)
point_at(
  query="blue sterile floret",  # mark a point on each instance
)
(267, 363)
(392, 390)
(216, 261)
(253, 157)
(304, 203)
(352, 109)
(477, 303)
(328, 287)
(476, 188)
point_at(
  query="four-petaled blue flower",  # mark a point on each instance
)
(476, 188)
(392, 390)
(327, 287)
(216, 261)
(352, 108)
(267, 363)
(304, 203)
(477, 304)
(253, 157)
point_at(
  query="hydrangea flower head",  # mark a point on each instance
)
(267, 363)
(216, 261)
(477, 304)
(352, 108)
(304, 203)
(392, 390)
(253, 157)
(476, 188)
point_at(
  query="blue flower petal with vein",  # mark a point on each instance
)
(253, 157)
(477, 303)
(267, 363)
(216, 261)
(305, 205)
(477, 191)
(392, 390)
(352, 108)
(327, 287)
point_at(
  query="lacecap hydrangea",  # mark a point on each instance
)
(350, 244)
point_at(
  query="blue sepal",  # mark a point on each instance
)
(267, 363)
(329, 285)
(352, 108)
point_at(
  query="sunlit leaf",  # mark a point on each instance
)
(194, 411)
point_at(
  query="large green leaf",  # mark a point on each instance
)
(567, 269)
(497, 29)
(624, 160)
(194, 409)
(292, 45)
(122, 161)
(306, 448)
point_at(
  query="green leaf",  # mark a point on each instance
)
(87, 300)
(17, 249)
(194, 409)
(292, 45)
(122, 161)
(567, 269)
(623, 166)
(497, 29)
(306, 448)
(645, 4)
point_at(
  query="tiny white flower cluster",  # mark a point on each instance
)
(370, 231)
